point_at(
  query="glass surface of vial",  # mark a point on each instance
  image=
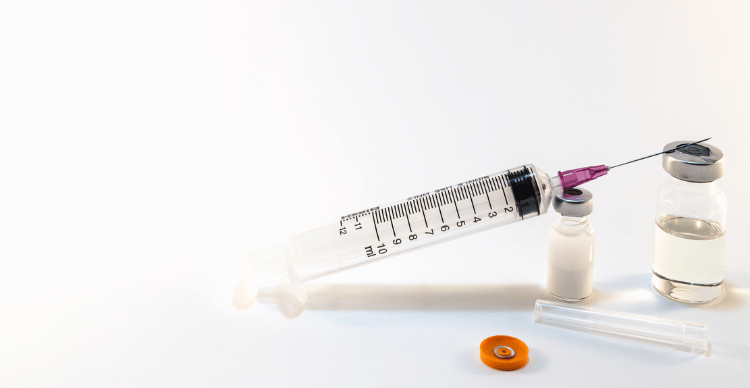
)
(689, 241)
(570, 267)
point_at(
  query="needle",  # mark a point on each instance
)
(573, 178)
(663, 152)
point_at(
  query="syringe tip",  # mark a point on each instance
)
(578, 176)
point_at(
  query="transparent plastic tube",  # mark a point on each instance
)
(679, 335)
(384, 231)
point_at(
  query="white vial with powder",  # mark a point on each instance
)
(570, 265)
(690, 231)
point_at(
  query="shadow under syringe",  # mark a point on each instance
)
(374, 297)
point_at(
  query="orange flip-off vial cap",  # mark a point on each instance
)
(504, 353)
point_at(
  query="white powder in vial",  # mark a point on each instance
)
(570, 267)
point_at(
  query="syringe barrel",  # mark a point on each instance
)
(424, 219)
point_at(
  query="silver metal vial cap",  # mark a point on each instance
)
(699, 163)
(573, 202)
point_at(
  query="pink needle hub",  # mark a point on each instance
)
(573, 178)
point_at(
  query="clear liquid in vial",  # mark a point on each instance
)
(688, 259)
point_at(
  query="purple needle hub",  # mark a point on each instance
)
(573, 178)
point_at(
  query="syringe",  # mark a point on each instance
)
(428, 218)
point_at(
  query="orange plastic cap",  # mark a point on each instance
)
(504, 353)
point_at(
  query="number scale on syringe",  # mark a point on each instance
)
(477, 204)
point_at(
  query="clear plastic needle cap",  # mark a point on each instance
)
(679, 335)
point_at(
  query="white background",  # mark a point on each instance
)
(141, 144)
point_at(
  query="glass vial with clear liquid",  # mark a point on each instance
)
(570, 259)
(690, 231)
